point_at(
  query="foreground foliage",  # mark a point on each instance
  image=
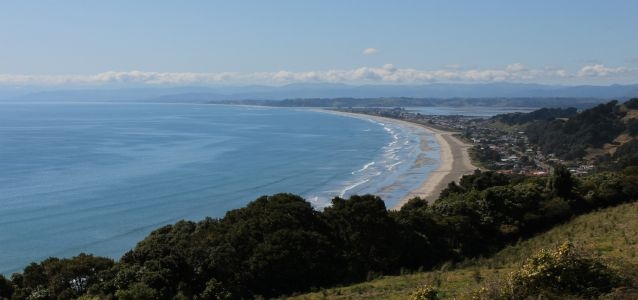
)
(608, 237)
(564, 272)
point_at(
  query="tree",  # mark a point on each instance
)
(481, 180)
(137, 291)
(6, 288)
(562, 182)
(215, 291)
(366, 235)
(452, 188)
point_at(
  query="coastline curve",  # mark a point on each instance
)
(454, 159)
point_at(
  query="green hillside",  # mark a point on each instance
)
(611, 235)
(594, 134)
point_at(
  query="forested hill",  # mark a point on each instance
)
(543, 114)
(604, 133)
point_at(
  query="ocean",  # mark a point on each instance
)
(98, 177)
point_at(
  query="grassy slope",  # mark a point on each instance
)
(611, 233)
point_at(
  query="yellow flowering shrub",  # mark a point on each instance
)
(424, 292)
(562, 271)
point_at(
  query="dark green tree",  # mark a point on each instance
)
(481, 180)
(6, 288)
(137, 291)
(366, 235)
(562, 183)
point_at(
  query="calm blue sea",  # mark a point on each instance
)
(99, 177)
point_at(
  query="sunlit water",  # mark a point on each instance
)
(97, 178)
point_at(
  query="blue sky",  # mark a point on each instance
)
(280, 42)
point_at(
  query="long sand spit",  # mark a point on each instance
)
(454, 159)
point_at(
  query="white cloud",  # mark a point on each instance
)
(517, 67)
(561, 73)
(598, 70)
(370, 51)
(374, 75)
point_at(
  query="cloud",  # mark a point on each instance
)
(388, 73)
(517, 67)
(370, 51)
(599, 70)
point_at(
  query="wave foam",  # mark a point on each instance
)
(365, 167)
(350, 187)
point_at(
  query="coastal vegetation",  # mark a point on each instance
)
(606, 236)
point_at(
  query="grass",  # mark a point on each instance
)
(506, 127)
(611, 234)
(399, 287)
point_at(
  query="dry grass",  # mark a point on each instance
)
(631, 114)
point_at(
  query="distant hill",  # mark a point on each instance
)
(418, 102)
(606, 133)
(537, 115)
(318, 90)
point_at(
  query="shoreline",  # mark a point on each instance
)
(454, 159)
(454, 163)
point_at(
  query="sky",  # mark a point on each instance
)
(94, 43)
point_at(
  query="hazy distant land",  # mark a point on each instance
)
(329, 95)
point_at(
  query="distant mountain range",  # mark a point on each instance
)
(296, 91)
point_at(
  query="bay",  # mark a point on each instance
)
(98, 177)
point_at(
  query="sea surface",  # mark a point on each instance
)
(98, 177)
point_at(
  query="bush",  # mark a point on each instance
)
(424, 292)
(564, 272)
(137, 291)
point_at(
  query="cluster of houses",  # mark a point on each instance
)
(507, 152)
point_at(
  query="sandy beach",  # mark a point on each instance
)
(454, 161)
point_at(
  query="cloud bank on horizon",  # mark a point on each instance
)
(387, 74)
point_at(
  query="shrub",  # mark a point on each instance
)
(564, 272)
(424, 292)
